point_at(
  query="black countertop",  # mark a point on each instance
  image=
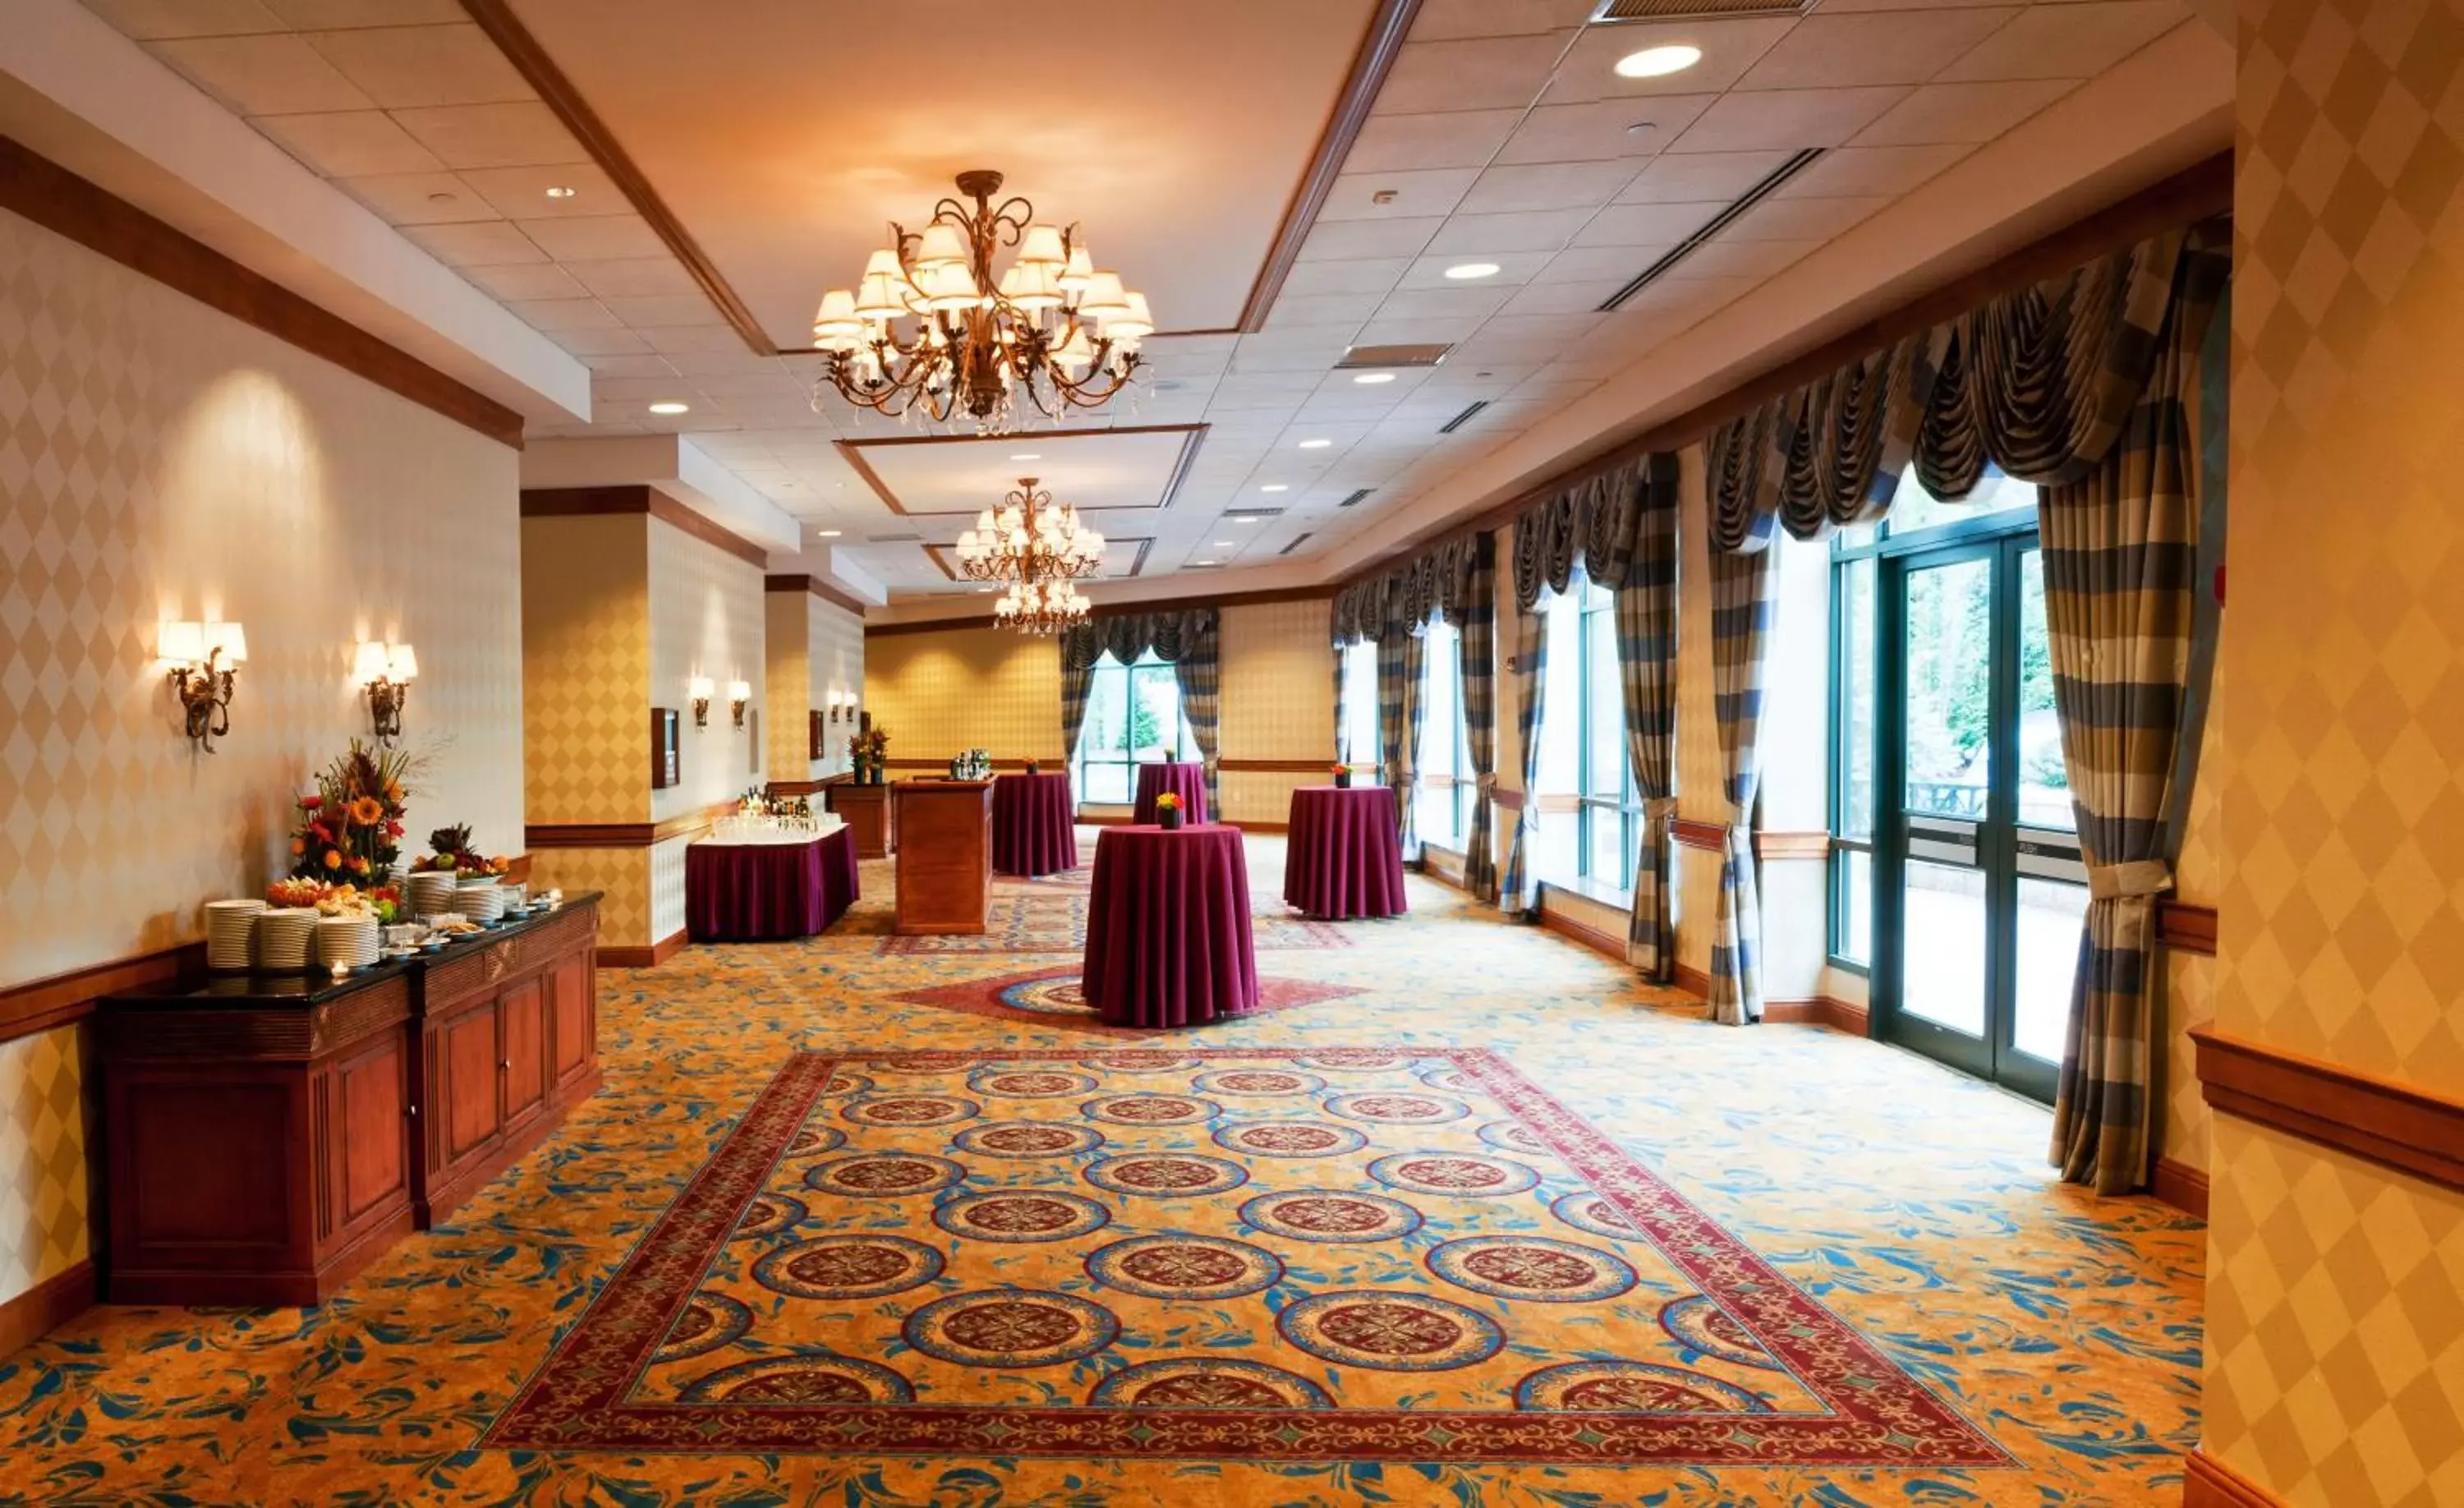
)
(318, 986)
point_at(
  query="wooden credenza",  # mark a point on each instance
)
(945, 856)
(268, 1136)
(871, 820)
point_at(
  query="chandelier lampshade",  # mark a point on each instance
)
(1038, 550)
(934, 329)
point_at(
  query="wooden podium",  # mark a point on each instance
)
(945, 855)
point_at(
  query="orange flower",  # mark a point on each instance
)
(360, 863)
(299, 846)
(332, 858)
(1167, 803)
(367, 810)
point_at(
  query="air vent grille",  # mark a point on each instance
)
(1695, 9)
(1462, 419)
(1237, 515)
(905, 539)
(1393, 355)
(1296, 543)
(1718, 223)
(1356, 497)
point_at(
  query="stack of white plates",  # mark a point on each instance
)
(516, 896)
(483, 901)
(283, 939)
(231, 925)
(432, 892)
(347, 940)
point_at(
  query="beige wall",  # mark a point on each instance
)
(2335, 1336)
(815, 647)
(706, 619)
(1278, 702)
(161, 460)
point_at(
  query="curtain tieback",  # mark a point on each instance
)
(1659, 809)
(1488, 784)
(2125, 882)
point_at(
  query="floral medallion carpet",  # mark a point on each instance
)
(1470, 1217)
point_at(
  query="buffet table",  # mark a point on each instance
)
(1346, 853)
(1034, 824)
(1168, 927)
(764, 887)
(1186, 780)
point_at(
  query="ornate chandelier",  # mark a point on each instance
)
(1040, 607)
(930, 331)
(1039, 550)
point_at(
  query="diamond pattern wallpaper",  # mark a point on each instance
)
(586, 668)
(1278, 702)
(43, 1184)
(2335, 1368)
(937, 693)
(814, 649)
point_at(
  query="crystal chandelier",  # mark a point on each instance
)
(929, 331)
(1039, 550)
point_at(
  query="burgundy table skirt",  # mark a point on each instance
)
(763, 892)
(1168, 927)
(1188, 781)
(1033, 824)
(1346, 855)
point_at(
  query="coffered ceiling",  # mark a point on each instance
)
(722, 175)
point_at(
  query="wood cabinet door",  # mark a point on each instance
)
(370, 1153)
(471, 1111)
(573, 1018)
(521, 1013)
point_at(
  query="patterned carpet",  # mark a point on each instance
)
(872, 1229)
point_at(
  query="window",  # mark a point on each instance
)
(1851, 763)
(1133, 716)
(1442, 805)
(1591, 818)
(1358, 734)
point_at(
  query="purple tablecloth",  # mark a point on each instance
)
(761, 892)
(1188, 781)
(1168, 927)
(1033, 821)
(1345, 857)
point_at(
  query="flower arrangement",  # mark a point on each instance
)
(1168, 810)
(866, 750)
(1342, 775)
(455, 854)
(349, 829)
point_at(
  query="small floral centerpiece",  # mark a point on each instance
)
(1168, 810)
(349, 829)
(455, 855)
(1343, 776)
(866, 750)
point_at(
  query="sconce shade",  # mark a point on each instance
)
(700, 688)
(368, 663)
(182, 642)
(738, 692)
(231, 639)
(402, 663)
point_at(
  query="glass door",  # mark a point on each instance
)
(1978, 885)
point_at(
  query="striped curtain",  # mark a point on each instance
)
(1407, 767)
(1342, 712)
(1646, 621)
(1392, 666)
(1475, 619)
(1741, 594)
(1077, 681)
(1198, 670)
(1189, 641)
(1517, 895)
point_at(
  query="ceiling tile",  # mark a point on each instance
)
(1349, 309)
(1603, 129)
(515, 134)
(1441, 139)
(1432, 191)
(1690, 297)
(1802, 219)
(1725, 258)
(1829, 52)
(1699, 178)
(523, 192)
(1512, 268)
(2067, 41)
(1531, 187)
(278, 75)
(1463, 300)
(600, 237)
(419, 198)
(1592, 263)
(1432, 329)
(1490, 236)
(1645, 225)
(1961, 113)
(1344, 239)
(1489, 74)
(663, 309)
(349, 144)
(633, 277)
(1889, 171)
(629, 366)
(530, 280)
(407, 66)
(1729, 47)
(1562, 298)
(1785, 120)
(1367, 275)
(601, 342)
(331, 16)
(564, 314)
(487, 242)
(151, 20)
(692, 338)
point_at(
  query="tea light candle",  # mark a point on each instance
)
(341, 972)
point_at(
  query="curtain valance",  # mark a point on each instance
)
(1444, 578)
(1595, 521)
(1129, 635)
(2038, 383)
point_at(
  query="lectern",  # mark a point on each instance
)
(945, 855)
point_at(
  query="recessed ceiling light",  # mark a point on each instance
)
(1027, 455)
(1244, 519)
(1315, 444)
(1375, 376)
(984, 588)
(1466, 272)
(1202, 562)
(1654, 62)
(825, 534)
(561, 191)
(1276, 486)
(671, 407)
(1225, 544)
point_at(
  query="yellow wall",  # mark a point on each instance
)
(2334, 1338)
(815, 647)
(162, 460)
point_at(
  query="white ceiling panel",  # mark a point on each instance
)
(351, 143)
(515, 134)
(1443, 138)
(1602, 130)
(271, 75)
(1829, 51)
(1962, 114)
(1523, 188)
(1488, 74)
(401, 67)
(1784, 119)
(2067, 41)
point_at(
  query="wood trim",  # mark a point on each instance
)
(972, 620)
(1589, 936)
(650, 958)
(943, 764)
(2195, 194)
(1381, 44)
(530, 59)
(2393, 1125)
(574, 502)
(1193, 435)
(2186, 928)
(815, 585)
(1827, 1011)
(46, 1306)
(1323, 767)
(41, 1004)
(2209, 1483)
(777, 788)
(2180, 1185)
(623, 835)
(101, 222)
(1792, 845)
(1709, 837)
(1693, 981)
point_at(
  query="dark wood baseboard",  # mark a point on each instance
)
(1694, 982)
(297, 1288)
(2180, 1185)
(1821, 1009)
(45, 1307)
(1589, 936)
(2209, 1483)
(2397, 1126)
(650, 958)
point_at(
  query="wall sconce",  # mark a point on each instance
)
(834, 702)
(385, 672)
(700, 691)
(201, 660)
(739, 697)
